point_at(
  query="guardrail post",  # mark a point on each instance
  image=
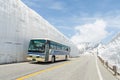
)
(115, 70)
(106, 63)
(103, 61)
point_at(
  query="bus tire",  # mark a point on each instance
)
(66, 58)
(53, 59)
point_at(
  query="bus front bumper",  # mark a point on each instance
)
(35, 59)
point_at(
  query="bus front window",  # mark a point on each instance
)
(37, 46)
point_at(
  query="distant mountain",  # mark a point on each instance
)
(86, 46)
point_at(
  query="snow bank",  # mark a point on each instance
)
(111, 51)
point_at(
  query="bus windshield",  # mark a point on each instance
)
(37, 46)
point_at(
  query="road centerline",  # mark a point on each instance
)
(42, 71)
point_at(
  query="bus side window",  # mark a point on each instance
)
(63, 48)
(56, 46)
(51, 46)
(69, 49)
(66, 49)
(59, 47)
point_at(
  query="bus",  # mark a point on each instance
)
(44, 50)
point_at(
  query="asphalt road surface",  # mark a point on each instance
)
(86, 67)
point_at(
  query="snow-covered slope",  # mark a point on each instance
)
(111, 51)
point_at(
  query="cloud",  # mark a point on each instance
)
(91, 32)
(114, 21)
(112, 18)
(57, 6)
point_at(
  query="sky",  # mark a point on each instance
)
(81, 20)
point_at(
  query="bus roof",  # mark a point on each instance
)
(46, 39)
(40, 38)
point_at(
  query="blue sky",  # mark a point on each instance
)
(81, 20)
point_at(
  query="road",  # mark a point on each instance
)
(83, 68)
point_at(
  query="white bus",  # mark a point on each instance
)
(44, 50)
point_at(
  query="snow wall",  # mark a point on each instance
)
(19, 24)
(111, 51)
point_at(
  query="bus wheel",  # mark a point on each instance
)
(53, 59)
(66, 57)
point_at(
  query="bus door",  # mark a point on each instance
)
(47, 51)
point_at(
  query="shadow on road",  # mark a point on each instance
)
(48, 63)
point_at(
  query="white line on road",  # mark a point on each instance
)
(98, 70)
